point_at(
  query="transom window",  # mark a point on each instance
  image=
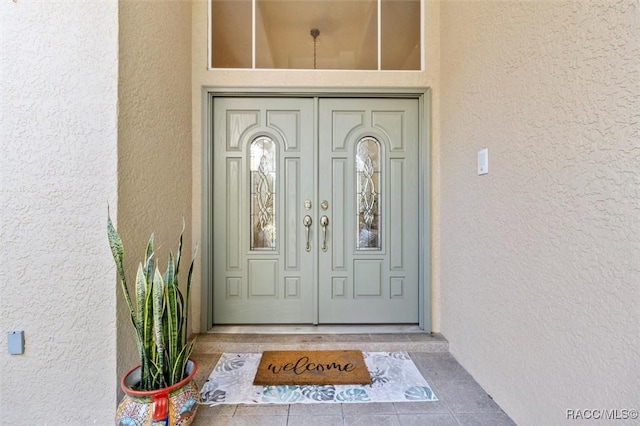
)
(316, 34)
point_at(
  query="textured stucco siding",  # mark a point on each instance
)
(58, 100)
(154, 139)
(540, 259)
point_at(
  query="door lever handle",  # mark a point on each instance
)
(307, 224)
(324, 222)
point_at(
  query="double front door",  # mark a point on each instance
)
(315, 204)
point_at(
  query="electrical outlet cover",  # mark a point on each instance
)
(15, 342)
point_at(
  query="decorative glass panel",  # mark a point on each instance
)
(263, 192)
(368, 194)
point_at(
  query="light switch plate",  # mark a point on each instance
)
(483, 161)
(15, 342)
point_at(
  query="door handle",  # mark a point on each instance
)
(324, 222)
(307, 224)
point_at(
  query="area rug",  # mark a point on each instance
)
(394, 378)
(277, 368)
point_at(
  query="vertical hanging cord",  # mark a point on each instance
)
(314, 33)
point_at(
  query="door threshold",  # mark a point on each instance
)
(316, 329)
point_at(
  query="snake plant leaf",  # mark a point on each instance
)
(146, 311)
(179, 251)
(149, 260)
(158, 302)
(178, 370)
(188, 295)
(141, 292)
(156, 376)
(147, 330)
(172, 310)
(182, 315)
(146, 337)
(117, 250)
(170, 276)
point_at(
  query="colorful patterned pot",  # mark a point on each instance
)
(172, 406)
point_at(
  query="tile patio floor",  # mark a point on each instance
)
(461, 401)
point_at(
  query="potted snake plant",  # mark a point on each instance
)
(161, 390)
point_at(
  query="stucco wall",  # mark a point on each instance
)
(154, 139)
(541, 257)
(58, 73)
(203, 77)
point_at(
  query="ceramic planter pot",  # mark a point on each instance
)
(172, 406)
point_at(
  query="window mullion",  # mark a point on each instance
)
(379, 35)
(253, 34)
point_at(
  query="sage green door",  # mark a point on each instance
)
(263, 172)
(368, 163)
(315, 210)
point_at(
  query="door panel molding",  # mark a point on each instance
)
(396, 284)
(374, 176)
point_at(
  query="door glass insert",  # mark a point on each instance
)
(263, 183)
(368, 194)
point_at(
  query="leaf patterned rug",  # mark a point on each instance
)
(394, 378)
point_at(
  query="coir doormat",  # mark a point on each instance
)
(394, 378)
(312, 368)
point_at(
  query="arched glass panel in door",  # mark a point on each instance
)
(263, 165)
(368, 192)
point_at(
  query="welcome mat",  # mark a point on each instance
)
(394, 378)
(312, 368)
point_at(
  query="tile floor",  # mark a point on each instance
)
(461, 402)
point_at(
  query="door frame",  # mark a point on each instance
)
(423, 95)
